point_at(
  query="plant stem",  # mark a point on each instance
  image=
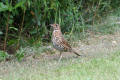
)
(21, 28)
(6, 33)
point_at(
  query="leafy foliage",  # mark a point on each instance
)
(27, 21)
(3, 55)
(20, 54)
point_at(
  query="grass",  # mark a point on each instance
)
(107, 68)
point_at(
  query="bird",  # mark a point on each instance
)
(59, 43)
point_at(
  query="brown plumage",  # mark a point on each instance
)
(59, 42)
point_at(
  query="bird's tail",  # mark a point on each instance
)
(76, 53)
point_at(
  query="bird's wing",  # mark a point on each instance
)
(65, 44)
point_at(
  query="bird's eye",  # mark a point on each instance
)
(56, 24)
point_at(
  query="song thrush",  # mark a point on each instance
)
(59, 42)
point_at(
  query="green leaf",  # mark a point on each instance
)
(1, 32)
(3, 55)
(20, 4)
(29, 3)
(3, 7)
(12, 41)
(20, 54)
(10, 21)
(33, 31)
(14, 28)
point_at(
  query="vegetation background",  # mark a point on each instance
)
(26, 22)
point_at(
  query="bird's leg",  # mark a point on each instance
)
(60, 57)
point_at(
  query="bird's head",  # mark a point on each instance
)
(55, 26)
